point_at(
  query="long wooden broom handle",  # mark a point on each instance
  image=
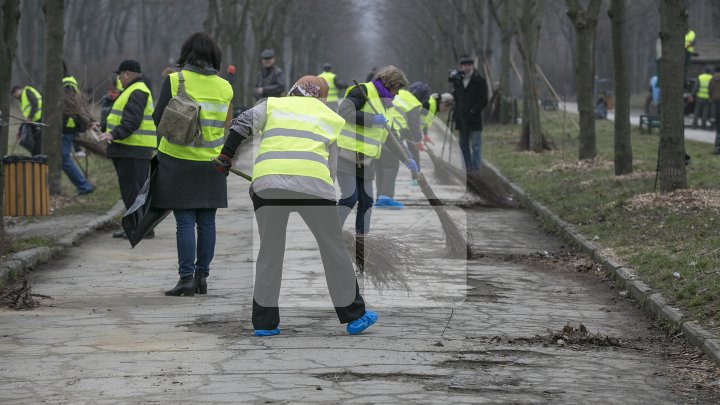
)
(235, 171)
(404, 158)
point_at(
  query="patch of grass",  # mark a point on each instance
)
(29, 243)
(656, 240)
(101, 174)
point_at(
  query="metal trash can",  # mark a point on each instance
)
(26, 185)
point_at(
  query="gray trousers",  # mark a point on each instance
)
(272, 210)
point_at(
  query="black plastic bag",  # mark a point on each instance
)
(141, 218)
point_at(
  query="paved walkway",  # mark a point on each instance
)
(464, 332)
(698, 135)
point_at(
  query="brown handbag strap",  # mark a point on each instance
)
(181, 84)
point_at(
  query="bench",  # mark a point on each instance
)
(649, 121)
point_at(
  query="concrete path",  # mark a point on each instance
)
(464, 332)
(698, 135)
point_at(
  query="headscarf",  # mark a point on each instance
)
(309, 86)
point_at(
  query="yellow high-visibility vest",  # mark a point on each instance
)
(26, 107)
(329, 77)
(366, 140)
(71, 82)
(704, 86)
(214, 95)
(296, 138)
(429, 114)
(145, 134)
(689, 38)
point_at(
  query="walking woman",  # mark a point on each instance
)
(186, 180)
(293, 172)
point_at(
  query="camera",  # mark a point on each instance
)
(454, 76)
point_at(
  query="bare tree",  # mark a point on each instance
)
(623, 146)
(53, 90)
(671, 155)
(527, 34)
(585, 21)
(505, 24)
(9, 17)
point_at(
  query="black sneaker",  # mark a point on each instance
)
(85, 192)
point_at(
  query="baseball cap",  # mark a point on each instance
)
(267, 54)
(466, 59)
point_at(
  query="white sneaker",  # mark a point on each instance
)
(80, 153)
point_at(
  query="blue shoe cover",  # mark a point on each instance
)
(387, 202)
(267, 332)
(413, 183)
(363, 323)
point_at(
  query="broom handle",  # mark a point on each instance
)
(404, 157)
(235, 171)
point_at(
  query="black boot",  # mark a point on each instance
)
(185, 286)
(200, 283)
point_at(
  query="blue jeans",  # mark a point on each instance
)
(70, 168)
(355, 190)
(192, 257)
(470, 147)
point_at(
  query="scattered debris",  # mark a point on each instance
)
(579, 166)
(685, 199)
(563, 260)
(20, 298)
(568, 336)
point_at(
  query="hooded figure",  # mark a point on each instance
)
(293, 172)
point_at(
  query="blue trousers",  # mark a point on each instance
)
(70, 168)
(356, 190)
(193, 256)
(470, 146)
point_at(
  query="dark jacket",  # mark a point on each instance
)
(180, 183)
(714, 88)
(470, 102)
(80, 125)
(132, 117)
(272, 82)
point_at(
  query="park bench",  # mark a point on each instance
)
(650, 121)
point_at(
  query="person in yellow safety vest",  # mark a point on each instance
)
(131, 134)
(31, 106)
(689, 50)
(436, 103)
(361, 142)
(72, 126)
(405, 116)
(702, 97)
(293, 172)
(186, 181)
(335, 86)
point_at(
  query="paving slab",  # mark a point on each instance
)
(462, 332)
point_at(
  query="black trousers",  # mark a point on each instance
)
(272, 210)
(386, 173)
(132, 174)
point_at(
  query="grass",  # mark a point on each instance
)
(656, 240)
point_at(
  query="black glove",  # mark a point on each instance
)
(223, 164)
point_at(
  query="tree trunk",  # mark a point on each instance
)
(9, 18)
(671, 156)
(53, 91)
(527, 27)
(623, 147)
(585, 22)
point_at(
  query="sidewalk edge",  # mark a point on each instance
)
(20, 263)
(651, 300)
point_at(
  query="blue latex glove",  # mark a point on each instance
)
(379, 119)
(412, 165)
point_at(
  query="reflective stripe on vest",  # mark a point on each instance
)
(143, 136)
(72, 83)
(429, 114)
(329, 77)
(214, 95)
(26, 107)
(296, 138)
(704, 86)
(360, 139)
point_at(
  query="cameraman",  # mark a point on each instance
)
(471, 96)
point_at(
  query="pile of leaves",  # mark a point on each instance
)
(685, 199)
(20, 298)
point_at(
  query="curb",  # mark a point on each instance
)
(651, 300)
(24, 261)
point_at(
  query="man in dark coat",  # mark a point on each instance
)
(270, 81)
(471, 97)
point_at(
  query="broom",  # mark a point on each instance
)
(382, 267)
(456, 246)
(477, 184)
